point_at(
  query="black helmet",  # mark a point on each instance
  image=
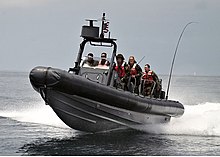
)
(103, 55)
(90, 54)
(120, 56)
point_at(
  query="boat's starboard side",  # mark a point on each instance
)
(62, 81)
(87, 115)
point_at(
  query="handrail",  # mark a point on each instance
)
(98, 74)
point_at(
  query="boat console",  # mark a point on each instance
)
(90, 34)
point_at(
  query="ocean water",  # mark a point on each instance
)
(29, 127)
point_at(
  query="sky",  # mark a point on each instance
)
(47, 33)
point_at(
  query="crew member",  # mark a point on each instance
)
(90, 61)
(150, 82)
(135, 74)
(121, 68)
(104, 61)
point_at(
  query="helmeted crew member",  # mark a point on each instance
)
(121, 68)
(104, 61)
(151, 81)
(135, 73)
(90, 61)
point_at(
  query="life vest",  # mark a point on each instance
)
(133, 70)
(106, 63)
(144, 76)
(103, 66)
(148, 75)
(120, 70)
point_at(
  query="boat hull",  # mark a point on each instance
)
(91, 116)
(89, 106)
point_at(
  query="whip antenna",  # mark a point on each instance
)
(141, 60)
(171, 70)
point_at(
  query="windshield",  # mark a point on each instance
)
(96, 62)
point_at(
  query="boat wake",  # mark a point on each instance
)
(198, 120)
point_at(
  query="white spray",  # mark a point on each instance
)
(198, 120)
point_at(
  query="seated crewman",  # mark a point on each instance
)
(90, 61)
(104, 61)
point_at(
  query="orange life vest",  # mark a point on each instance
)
(120, 70)
(144, 76)
(133, 71)
(148, 76)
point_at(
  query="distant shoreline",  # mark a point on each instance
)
(160, 75)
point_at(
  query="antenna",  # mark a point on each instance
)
(171, 69)
(141, 60)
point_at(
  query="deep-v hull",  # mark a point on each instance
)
(93, 107)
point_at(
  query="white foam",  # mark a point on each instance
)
(200, 120)
(42, 114)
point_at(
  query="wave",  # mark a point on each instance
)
(198, 120)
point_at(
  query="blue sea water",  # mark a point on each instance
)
(29, 127)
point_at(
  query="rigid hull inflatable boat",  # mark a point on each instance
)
(86, 99)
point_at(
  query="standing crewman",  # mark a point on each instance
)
(150, 81)
(121, 68)
(135, 74)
